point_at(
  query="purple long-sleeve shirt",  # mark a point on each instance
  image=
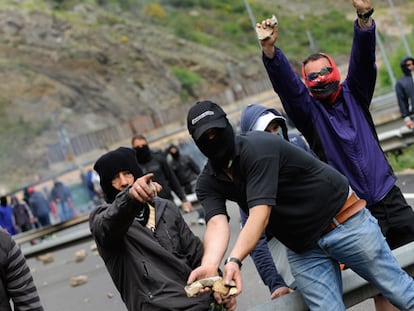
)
(343, 133)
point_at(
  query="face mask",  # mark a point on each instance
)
(326, 84)
(218, 150)
(324, 90)
(143, 154)
(175, 155)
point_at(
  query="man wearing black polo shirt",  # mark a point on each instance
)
(305, 203)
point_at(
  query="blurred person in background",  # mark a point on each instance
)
(93, 187)
(22, 215)
(186, 171)
(61, 196)
(39, 206)
(404, 89)
(151, 162)
(7, 220)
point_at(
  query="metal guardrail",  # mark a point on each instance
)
(30, 235)
(55, 244)
(396, 139)
(73, 238)
(355, 288)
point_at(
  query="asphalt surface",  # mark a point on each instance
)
(99, 293)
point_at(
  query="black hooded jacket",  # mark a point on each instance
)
(149, 268)
(404, 89)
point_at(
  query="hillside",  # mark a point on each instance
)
(86, 65)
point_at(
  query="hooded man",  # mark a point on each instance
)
(256, 117)
(146, 245)
(269, 255)
(404, 89)
(306, 204)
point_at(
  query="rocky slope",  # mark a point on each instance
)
(55, 74)
(85, 72)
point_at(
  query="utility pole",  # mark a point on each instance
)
(65, 142)
(384, 56)
(251, 16)
(312, 45)
(397, 20)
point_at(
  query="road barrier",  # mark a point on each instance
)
(396, 139)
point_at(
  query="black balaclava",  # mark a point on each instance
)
(220, 149)
(143, 154)
(205, 115)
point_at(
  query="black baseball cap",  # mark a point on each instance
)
(205, 115)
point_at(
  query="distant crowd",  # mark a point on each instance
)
(36, 209)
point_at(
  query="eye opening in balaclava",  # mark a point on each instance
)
(207, 115)
(220, 149)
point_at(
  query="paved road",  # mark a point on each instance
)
(99, 293)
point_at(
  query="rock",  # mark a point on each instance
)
(46, 258)
(80, 255)
(78, 280)
(224, 290)
(194, 288)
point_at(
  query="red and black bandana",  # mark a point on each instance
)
(325, 87)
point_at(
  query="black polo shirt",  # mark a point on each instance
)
(305, 193)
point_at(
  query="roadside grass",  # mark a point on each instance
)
(401, 160)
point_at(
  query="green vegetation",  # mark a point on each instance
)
(402, 160)
(384, 79)
(225, 24)
(189, 81)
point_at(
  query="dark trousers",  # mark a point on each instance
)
(395, 217)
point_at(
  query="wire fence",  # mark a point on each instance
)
(59, 152)
(101, 139)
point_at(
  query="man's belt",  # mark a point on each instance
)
(352, 206)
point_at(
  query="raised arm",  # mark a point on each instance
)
(362, 71)
(293, 93)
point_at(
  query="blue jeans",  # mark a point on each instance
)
(64, 210)
(360, 245)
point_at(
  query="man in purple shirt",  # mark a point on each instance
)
(334, 117)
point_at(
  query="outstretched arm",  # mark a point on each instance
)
(265, 265)
(246, 241)
(216, 239)
(110, 222)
